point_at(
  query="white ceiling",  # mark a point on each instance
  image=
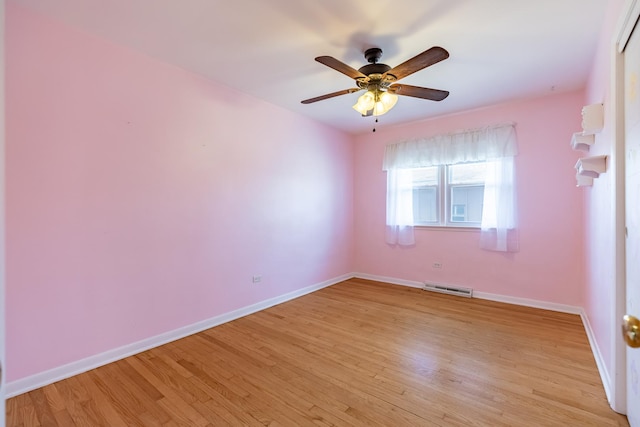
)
(500, 50)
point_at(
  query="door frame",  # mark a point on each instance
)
(626, 23)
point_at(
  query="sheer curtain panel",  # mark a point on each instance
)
(498, 230)
(400, 207)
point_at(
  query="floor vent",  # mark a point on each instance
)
(451, 290)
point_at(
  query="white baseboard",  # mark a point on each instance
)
(602, 367)
(391, 280)
(563, 308)
(42, 379)
(526, 302)
(481, 295)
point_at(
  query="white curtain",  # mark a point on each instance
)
(498, 231)
(399, 207)
(495, 145)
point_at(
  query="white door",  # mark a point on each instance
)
(632, 201)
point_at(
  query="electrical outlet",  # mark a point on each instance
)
(436, 265)
(257, 278)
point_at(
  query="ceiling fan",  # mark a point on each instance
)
(379, 80)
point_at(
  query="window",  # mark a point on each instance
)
(449, 195)
(461, 179)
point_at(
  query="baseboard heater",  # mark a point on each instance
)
(446, 289)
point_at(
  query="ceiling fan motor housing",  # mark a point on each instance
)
(373, 69)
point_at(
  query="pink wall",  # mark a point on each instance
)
(600, 238)
(142, 198)
(549, 265)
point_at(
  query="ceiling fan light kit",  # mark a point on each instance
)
(378, 80)
(375, 102)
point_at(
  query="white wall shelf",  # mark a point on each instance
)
(581, 141)
(583, 181)
(591, 167)
(592, 118)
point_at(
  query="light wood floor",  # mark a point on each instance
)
(357, 353)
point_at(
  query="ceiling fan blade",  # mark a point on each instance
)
(330, 95)
(340, 66)
(419, 92)
(418, 62)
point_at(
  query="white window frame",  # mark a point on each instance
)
(444, 202)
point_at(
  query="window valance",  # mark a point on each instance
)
(469, 146)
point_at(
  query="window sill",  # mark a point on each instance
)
(446, 228)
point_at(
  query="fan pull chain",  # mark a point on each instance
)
(374, 126)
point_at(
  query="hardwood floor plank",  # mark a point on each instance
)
(64, 419)
(21, 411)
(358, 353)
(54, 400)
(216, 414)
(102, 404)
(174, 401)
(42, 408)
(75, 395)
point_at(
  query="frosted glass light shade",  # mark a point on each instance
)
(385, 103)
(365, 103)
(376, 104)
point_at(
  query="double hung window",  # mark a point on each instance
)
(448, 195)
